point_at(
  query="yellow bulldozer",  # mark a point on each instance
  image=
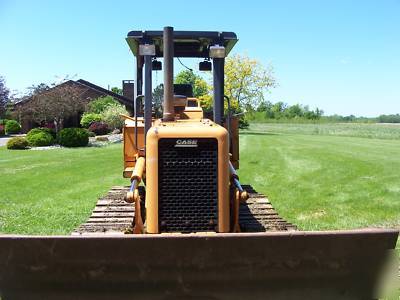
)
(185, 227)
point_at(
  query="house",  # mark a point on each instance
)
(87, 92)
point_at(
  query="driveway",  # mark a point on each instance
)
(4, 139)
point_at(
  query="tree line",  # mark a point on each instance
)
(281, 110)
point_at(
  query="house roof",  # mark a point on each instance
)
(121, 99)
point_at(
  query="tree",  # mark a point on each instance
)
(37, 89)
(100, 104)
(294, 111)
(278, 109)
(201, 89)
(116, 90)
(4, 96)
(200, 86)
(158, 96)
(266, 107)
(55, 103)
(246, 81)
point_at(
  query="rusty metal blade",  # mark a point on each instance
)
(270, 265)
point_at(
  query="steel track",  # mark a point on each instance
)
(113, 216)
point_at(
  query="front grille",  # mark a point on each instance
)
(188, 185)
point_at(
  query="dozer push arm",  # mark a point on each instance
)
(240, 195)
(136, 178)
(235, 181)
(133, 194)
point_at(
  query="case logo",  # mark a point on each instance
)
(186, 143)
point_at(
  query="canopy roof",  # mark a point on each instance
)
(186, 43)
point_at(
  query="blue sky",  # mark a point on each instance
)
(341, 56)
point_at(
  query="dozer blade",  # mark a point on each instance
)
(271, 265)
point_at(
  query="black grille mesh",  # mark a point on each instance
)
(188, 187)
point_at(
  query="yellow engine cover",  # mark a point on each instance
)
(187, 177)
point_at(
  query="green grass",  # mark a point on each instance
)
(53, 191)
(325, 182)
(375, 131)
(326, 176)
(315, 181)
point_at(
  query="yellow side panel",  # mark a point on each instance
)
(130, 149)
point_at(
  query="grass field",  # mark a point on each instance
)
(325, 182)
(315, 181)
(375, 131)
(53, 191)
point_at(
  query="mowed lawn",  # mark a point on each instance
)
(315, 181)
(324, 181)
(53, 191)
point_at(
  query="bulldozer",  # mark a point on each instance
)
(185, 227)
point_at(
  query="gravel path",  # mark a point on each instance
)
(4, 139)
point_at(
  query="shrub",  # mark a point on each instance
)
(17, 143)
(112, 117)
(91, 134)
(33, 132)
(40, 139)
(2, 132)
(3, 121)
(73, 137)
(89, 118)
(41, 129)
(12, 126)
(50, 131)
(243, 123)
(101, 104)
(99, 128)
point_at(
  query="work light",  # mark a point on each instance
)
(217, 51)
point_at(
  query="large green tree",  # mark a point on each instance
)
(200, 86)
(247, 81)
(201, 89)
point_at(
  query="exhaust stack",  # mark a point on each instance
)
(168, 53)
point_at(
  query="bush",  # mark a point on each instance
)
(99, 128)
(12, 126)
(73, 137)
(112, 117)
(91, 134)
(40, 139)
(41, 129)
(17, 143)
(33, 132)
(89, 118)
(2, 132)
(243, 122)
(50, 131)
(101, 104)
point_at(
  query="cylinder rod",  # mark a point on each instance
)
(147, 94)
(133, 185)
(218, 78)
(168, 52)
